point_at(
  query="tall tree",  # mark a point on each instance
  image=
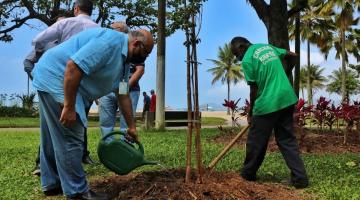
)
(227, 69)
(142, 13)
(315, 25)
(160, 68)
(344, 37)
(352, 84)
(275, 15)
(302, 81)
(314, 79)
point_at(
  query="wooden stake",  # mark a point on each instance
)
(227, 148)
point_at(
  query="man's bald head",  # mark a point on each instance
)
(141, 44)
(120, 26)
(149, 42)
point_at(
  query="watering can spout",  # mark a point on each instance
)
(148, 162)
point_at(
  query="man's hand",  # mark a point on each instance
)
(68, 117)
(249, 117)
(132, 133)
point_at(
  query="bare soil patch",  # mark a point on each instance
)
(326, 142)
(169, 184)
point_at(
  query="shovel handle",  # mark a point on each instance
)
(141, 148)
(227, 148)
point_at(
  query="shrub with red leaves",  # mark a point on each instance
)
(320, 111)
(234, 109)
(333, 115)
(302, 113)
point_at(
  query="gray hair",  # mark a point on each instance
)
(139, 36)
(120, 26)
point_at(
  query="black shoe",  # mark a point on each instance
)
(248, 178)
(87, 160)
(54, 192)
(297, 184)
(89, 195)
(36, 171)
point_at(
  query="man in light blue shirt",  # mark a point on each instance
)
(61, 31)
(67, 77)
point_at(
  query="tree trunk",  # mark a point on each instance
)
(189, 104)
(196, 106)
(28, 85)
(297, 51)
(228, 94)
(308, 78)
(160, 69)
(343, 68)
(275, 18)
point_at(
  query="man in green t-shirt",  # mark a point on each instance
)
(272, 100)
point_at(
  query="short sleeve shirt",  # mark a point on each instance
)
(99, 52)
(262, 65)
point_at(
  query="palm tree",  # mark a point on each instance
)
(227, 69)
(314, 79)
(352, 84)
(344, 40)
(303, 80)
(315, 26)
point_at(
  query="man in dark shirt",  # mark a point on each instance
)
(146, 105)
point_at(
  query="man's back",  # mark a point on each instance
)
(63, 30)
(262, 65)
(49, 71)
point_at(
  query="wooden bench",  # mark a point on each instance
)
(172, 118)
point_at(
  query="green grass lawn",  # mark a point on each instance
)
(331, 176)
(6, 122)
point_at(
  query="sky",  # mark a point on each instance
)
(220, 23)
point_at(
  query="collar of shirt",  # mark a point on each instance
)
(84, 16)
(125, 44)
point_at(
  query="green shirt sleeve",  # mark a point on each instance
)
(279, 51)
(249, 73)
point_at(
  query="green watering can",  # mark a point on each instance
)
(120, 156)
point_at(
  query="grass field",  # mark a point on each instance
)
(331, 176)
(20, 122)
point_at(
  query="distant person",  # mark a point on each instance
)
(272, 100)
(152, 107)
(62, 31)
(146, 106)
(68, 78)
(108, 104)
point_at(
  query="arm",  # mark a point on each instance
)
(29, 62)
(72, 78)
(140, 69)
(290, 58)
(50, 34)
(126, 110)
(253, 94)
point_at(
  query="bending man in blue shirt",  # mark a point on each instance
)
(68, 77)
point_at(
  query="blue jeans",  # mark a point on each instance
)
(61, 150)
(108, 106)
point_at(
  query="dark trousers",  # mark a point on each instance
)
(260, 131)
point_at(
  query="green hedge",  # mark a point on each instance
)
(15, 111)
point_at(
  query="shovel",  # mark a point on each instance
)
(227, 148)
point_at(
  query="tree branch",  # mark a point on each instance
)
(300, 4)
(262, 10)
(18, 23)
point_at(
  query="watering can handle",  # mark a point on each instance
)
(141, 148)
